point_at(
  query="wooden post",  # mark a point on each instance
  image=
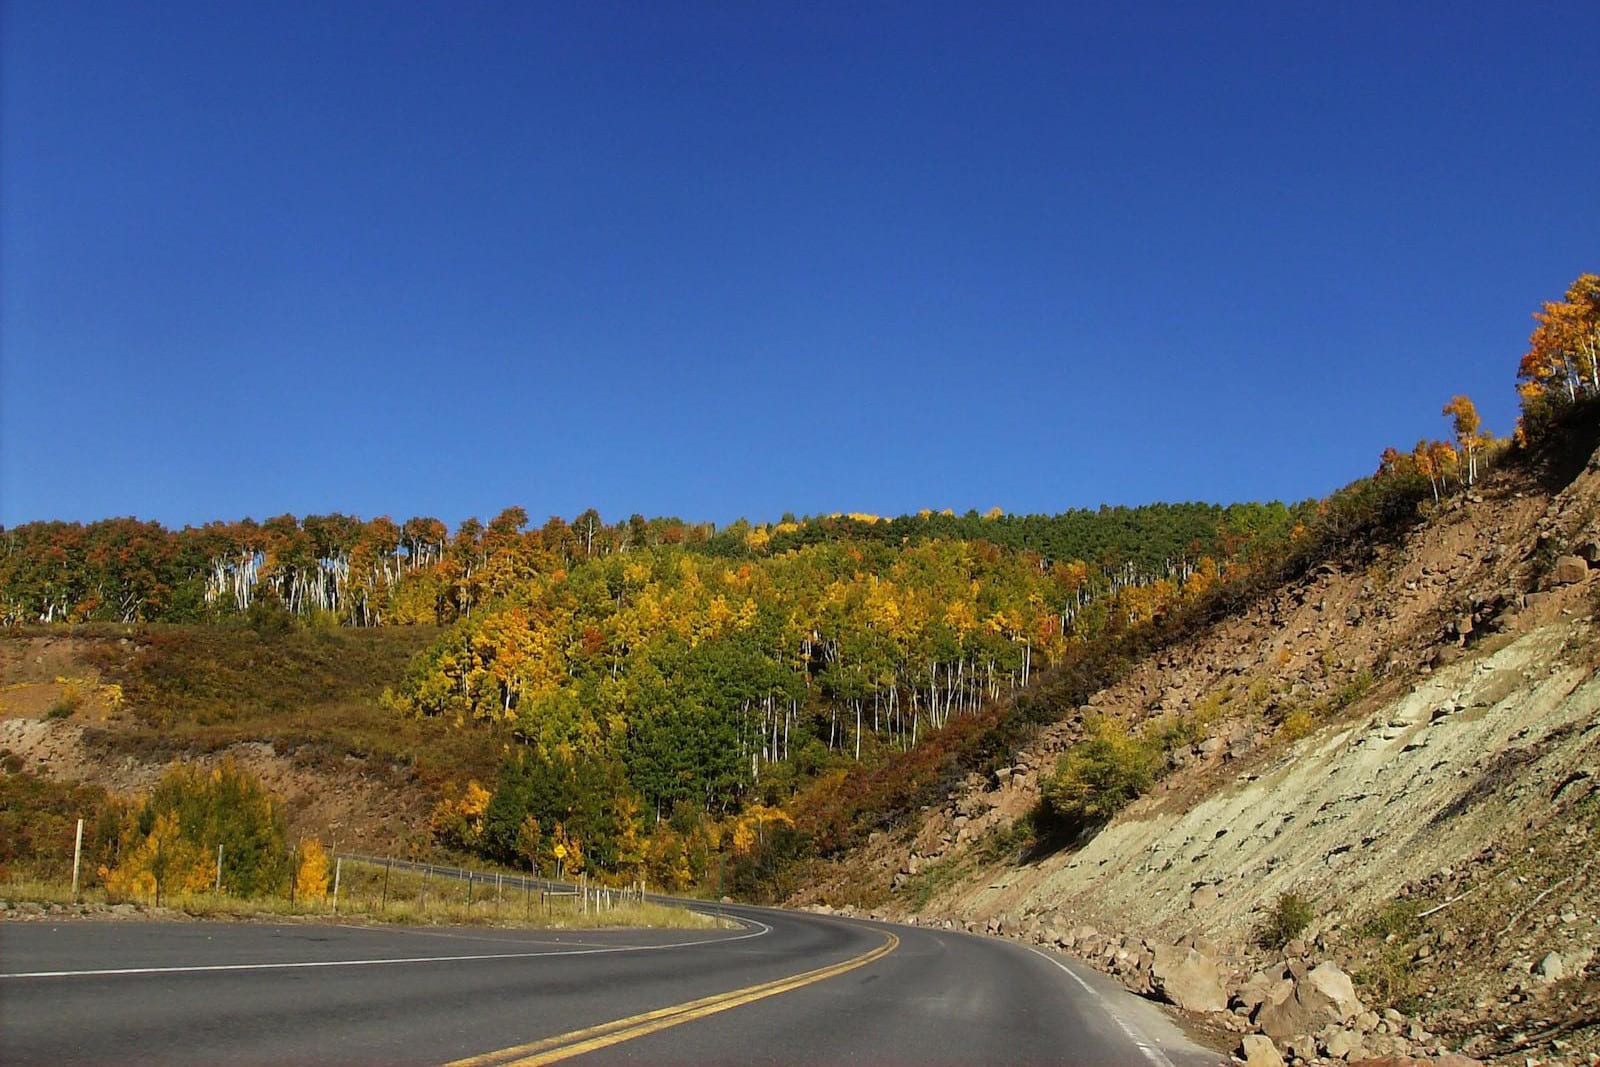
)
(387, 866)
(218, 887)
(469, 890)
(77, 859)
(338, 870)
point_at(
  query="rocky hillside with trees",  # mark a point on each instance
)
(1356, 816)
(1324, 763)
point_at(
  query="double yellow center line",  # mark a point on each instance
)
(577, 1042)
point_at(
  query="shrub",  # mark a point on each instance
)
(1296, 723)
(170, 841)
(1099, 776)
(311, 871)
(1286, 920)
(38, 821)
(70, 700)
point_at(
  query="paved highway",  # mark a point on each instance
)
(784, 988)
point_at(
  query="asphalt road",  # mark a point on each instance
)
(786, 988)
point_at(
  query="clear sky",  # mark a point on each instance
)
(730, 259)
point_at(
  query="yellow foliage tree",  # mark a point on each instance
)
(459, 818)
(752, 828)
(158, 862)
(1466, 423)
(311, 874)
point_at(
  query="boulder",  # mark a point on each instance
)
(1569, 570)
(1341, 1044)
(1308, 1003)
(1332, 983)
(1301, 1047)
(1182, 976)
(1254, 990)
(1257, 1050)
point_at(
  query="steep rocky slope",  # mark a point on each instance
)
(1420, 727)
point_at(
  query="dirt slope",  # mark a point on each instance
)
(117, 709)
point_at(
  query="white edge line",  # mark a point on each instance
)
(306, 964)
(1149, 1049)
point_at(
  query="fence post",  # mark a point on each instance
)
(218, 886)
(387, 866)
(77, 860)
(338, 869)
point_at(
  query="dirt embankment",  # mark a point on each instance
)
(1421, 728)
(65, 715)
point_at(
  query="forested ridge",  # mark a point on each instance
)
(668, 693)
(377, 572)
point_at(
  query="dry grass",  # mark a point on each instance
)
(410, 901)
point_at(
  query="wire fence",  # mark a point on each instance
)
(362, 881)
(69, 860)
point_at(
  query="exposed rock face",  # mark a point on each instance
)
(1182, 976)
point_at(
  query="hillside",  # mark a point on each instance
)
(1408, 741)
(1357, 729)
(115, 706)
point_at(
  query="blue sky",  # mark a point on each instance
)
(716, 260)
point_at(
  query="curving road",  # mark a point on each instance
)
(787, 987)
